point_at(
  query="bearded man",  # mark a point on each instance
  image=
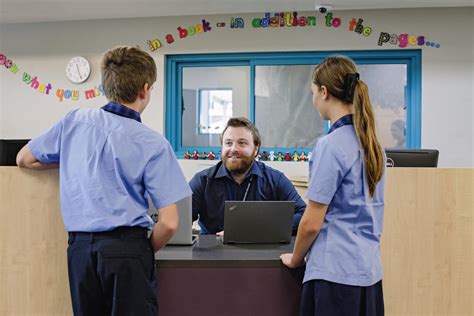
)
(238, 177)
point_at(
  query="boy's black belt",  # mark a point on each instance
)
(133, 232)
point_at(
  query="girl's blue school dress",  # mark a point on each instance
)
(343, 267)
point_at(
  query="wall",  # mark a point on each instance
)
(43, 49)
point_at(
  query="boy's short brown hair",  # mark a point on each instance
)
(125, 71)
(244, 122)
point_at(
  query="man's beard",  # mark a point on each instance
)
(238, 166)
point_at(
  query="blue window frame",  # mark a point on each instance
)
(176, 63)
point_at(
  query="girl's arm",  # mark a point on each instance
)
(308, 230)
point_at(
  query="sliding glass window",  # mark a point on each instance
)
(273, 90)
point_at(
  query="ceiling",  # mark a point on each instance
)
(24, 11)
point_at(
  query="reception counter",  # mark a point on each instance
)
(427, 253)
(211, 278)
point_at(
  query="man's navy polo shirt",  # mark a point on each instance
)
(213, 186)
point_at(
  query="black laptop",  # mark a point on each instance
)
(258, 222)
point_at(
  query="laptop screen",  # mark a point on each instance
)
(258, 221)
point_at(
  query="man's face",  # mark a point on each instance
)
(238, 149)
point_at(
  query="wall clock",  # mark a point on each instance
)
(78, 69)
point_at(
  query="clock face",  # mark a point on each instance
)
(78, 69)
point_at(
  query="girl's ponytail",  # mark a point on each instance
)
(364, 125)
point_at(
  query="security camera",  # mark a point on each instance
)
(323, 8)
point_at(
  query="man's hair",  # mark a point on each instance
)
(125, 71)
(244, 122)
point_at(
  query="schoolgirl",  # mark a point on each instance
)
(339, 234)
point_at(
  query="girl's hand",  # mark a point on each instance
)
(287, 260)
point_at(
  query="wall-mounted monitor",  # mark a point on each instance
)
(412, 157)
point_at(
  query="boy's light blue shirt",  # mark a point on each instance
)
(107, 164)
(347, 249)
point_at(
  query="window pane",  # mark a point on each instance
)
(286, 117)
(284, 112)
(227, 83)
(215, 109)
(387, 91)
